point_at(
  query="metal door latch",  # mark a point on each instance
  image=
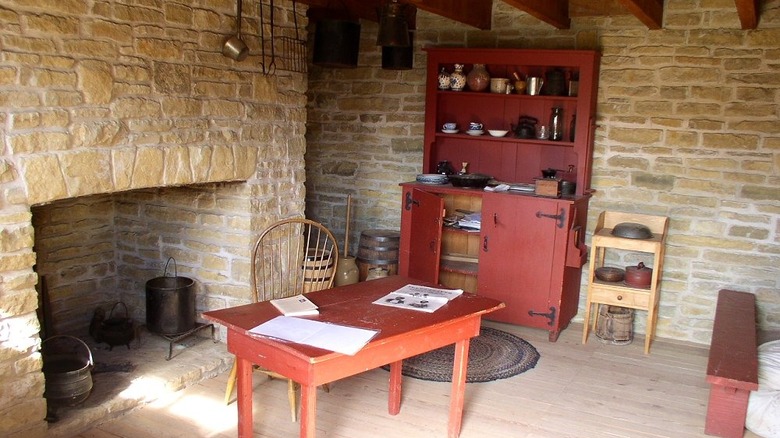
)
(549, 315)
(409, 201)
(560, 217)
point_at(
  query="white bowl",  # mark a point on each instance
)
(497, 132)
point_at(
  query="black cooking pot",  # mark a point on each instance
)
(116, 330)
(470, 180)
(525, 128)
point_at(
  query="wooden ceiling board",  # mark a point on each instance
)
(552, 12)
(558, 13)
(649, 12)
(748, 13)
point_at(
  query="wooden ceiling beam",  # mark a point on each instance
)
(476, 13)
(649, 12)
(552, 12)
(342, 9)
(748, 13)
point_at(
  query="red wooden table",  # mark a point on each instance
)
(402, 333)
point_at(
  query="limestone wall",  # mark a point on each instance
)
(688, 127)
(99, 100)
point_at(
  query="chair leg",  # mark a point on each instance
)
(231, 383)
(291, 389)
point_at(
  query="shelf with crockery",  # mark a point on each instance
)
(565, 83)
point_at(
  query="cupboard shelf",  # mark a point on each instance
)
(508, 139)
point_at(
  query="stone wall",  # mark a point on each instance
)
(687, 128)
(130, 138)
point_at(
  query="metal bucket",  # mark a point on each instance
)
(170, 303)
(336, 43)
(398, 58)
(68, 372)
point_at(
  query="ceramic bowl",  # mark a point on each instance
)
(497, 132)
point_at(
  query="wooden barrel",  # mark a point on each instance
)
(615, 325)
(317, 270)
(378, 249)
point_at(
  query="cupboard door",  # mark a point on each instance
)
(424, 244)
(515, 263)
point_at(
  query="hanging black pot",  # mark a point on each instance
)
(336, 43)
(399, 57)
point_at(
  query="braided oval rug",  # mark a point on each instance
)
(493, 355)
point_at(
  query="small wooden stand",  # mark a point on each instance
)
(618, 293)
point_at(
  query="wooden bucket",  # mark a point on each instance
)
(615, 325)
(317, 270)
(378, 249)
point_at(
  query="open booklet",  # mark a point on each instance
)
(339, 338)
(420, 298)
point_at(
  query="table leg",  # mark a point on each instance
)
(458, 395)
(394, 392)
(244, 397)
(308, 410)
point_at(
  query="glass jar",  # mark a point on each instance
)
(556, 124)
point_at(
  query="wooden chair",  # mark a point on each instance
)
(292, 256)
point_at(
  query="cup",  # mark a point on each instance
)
(534, 85)
(474, 126)
(498, 85)
(520, 87)
(543, 133)
(450, 126)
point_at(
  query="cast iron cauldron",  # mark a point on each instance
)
(115, 330)
(470, 180)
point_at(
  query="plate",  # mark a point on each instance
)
(480, 132)
(432, 178)
(449, 131)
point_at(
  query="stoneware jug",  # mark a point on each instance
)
(347, 271)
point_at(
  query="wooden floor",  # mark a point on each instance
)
(595, 390)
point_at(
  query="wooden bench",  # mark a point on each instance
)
(732, 370)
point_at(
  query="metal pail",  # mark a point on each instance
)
(170, 303)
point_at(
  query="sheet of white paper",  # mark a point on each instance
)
(334, 337)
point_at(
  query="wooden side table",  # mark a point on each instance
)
(618, 293)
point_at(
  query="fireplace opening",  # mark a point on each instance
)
(95, 255)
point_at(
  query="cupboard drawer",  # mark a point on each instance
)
(622, 297)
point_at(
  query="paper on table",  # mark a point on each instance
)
(334, 337)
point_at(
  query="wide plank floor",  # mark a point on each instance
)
(593, 390)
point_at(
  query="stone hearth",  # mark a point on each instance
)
(126, 378)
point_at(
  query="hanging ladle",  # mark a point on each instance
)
(235, 48)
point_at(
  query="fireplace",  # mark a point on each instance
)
(124, 144)
(95, 251)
